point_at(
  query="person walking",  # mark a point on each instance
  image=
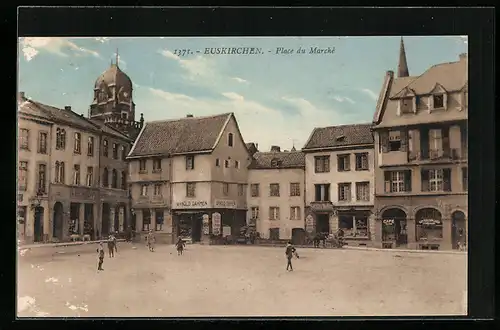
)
(100, 255)
(111, 246)
(289, 252)
(115, 241)
(180, 246)
(151, 241)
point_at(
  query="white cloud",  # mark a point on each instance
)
(195, 67)
(31, 46)
(102, 39)
(233, 96)
(240, 80)
(343, 99)
(170, 96)
(370, 93)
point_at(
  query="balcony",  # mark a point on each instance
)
(438, 155)
(322, 206)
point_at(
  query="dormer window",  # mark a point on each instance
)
(438, 101)
(230, 139)
(406, 105)
(340, 138)
(275, 162)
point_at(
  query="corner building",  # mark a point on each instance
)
(420, 130)
(184, 171)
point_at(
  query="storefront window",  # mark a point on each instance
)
(159, 220)
(354, 226)
(429, 225)
(185, 229)
(388, 230)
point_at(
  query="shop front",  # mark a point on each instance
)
(429, 229)
(394, 228)
(355, 224)
(321, 218)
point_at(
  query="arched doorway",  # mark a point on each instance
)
(57, 223)
(38, 225)
(105, 220)
(458, 229)
(394, 227)
(429, 225)
(298, 236)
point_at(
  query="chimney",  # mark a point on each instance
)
(275, 149)
(390, 73)
(189, 115)
(462, 56)
(20, 95)
(67, 108)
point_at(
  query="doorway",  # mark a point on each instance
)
(105, 220)
(298, 236)
(458, 229)
(394, 227)
(38, 225)
(197, 221)
(322, 223)
(57, 225)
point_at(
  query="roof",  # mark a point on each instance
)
(285, 159)
(29, 108)
(108, 129)
(114, 75)
(185, 135)
(452, 77)
(339, 136)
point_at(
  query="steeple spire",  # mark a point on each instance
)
(402, 65)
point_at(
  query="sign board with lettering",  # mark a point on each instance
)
(430, 222)
(216, 223)
(206, 224)
(309, 223)
(191, 204)
(225, 204)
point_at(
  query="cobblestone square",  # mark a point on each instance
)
(238, 281)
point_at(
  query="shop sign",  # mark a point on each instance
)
(429, 222)
(388, 222)
(224, 204)
(191, 204)
(309, 223)
(216, 223)
(206, 224)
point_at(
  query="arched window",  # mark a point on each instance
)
(429, 225)
(114, 182)
(105, 178)
(105, 148)
(230, 139)
(59, 177)
(60, 139)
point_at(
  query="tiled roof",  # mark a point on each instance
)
(285, 159)
(29, 108)
(183, 135)
(108, 129)
(340, 136)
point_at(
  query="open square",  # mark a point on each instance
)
(239, 281)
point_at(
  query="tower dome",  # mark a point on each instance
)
(114, 76)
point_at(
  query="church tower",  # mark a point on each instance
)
(113, 101)
(402, 65)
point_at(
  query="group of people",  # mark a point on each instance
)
(112, 248)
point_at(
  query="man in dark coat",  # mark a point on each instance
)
(100, 255)
(289, 252)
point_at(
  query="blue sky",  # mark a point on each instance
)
(278, 99)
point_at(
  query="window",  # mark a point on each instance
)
(190, 189)
(406, 105)
(144, 190)
(159, 220)
(24, 136)
(354, 226)
(363, 191)
(294, 189)
(217, 162)
(105, 178)
(60, 139)
(241, 189)
(438, 101)
(157, 189)
(274, 234)
(465, 178)
(146, 220)
(345, 192)
(322, 192)
(90, 176)
(254, 212)
(394, 141)
(274, 189)
(343, 163)
(362, 161)
(23, 175)
(236, 164)
(189, 162)
(225, 189)
(294, 213)
(276, 162)
(142, 166)
(254, 190)
(435, 142)
(124, 180)
(105, 148)
(90, 148)
(157, 165)
(124, 152)
(42, 143)
(76, 174)
(78, 143)
(114, 179)
(397, 181)
(42, 177)
(436, 180)
(429, 225)
(322, 164)
(226, 163)
(230, 139)
(115, 151)
(274, 213)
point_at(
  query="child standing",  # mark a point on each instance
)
(180, 246)
(111, 246)
(151, 241)
(100, 255)
(289, 252)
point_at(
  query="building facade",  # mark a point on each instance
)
(276, 194)
(339, 176)
(420, 130)
(200, 167)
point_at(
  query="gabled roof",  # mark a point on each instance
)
(285, 159)
(28, 108)
(339, 136)
(185, 135)
(106, 129)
